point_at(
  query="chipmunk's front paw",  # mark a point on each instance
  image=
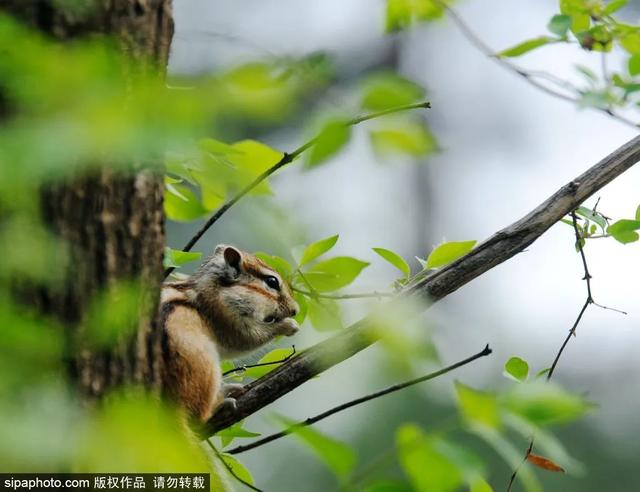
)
(232, 390)
(230, 403)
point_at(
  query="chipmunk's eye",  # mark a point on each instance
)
(272, 282)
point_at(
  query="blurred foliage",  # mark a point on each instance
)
(72, 107)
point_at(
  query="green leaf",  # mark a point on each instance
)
(559, 25)
(480, 485)
(252, 158)
(184, 206)
(336, 273)
(614, 6)
(280, 265)
(276, 356)
(314, 250)
(579, 12)
(239, 470)
(388, 486)
(544, 403)
(478, 406)
(638, 213)
(301, 299)
(333, 136)
(398, 16)
(426, 466)
(448, 252)
(339, 457)
(624, 230)
(230, 433)
(525, 47)
(324, 314)
(634, 64)
(406, 136)
(517, 368)
(389, 90)
(395, 259)
(174, 258)
(589, 214)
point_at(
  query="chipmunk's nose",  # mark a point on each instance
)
(295, 309)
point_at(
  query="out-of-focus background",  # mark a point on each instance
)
(505, 147)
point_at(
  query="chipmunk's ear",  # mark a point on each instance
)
(232, 257)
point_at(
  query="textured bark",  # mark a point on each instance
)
(113, 222)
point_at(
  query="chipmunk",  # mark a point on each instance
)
(232, 305)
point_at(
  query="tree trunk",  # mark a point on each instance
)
(112, 221)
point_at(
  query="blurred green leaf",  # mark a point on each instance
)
(638, 213)
(613, 6)
(239, 470)
(135, 433)
(634, 64)
(544, 403)
(335, 273)
(510, 454)
(339, 457)
(589, 214)
(174, 258)
(183, 206)
(448, 252)
(478, 406)
(395, 259)
(236, 430)
(113, 314)
(324, 314)
(559, 25)
(252, 159)
(276, 355)
(301, 299)
(388, 486)
(624, 230)
(428, 469)
(579, 13)
(280, 265)
(517, 368)
(332, 138)
(389, 90)
(403, 136)
(525, 46)
(480, 485)
(314, 250)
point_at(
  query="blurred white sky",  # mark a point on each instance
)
(506, 146)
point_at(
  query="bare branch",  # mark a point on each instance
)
(286, 159)
(391, 389)
(432, 287)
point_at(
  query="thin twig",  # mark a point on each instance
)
(530, 77)
(286, 159)
(363, 295)
(230, 468)
(572, 332)
(261, 364)
(391, 389)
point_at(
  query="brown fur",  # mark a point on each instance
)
(219, 312)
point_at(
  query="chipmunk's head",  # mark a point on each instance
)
(251, 297)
